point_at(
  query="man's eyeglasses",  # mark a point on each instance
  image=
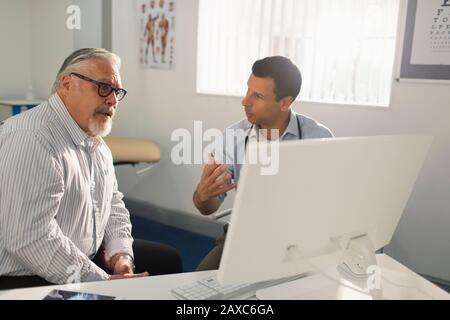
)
(104, 89)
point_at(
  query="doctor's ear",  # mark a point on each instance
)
(286, 103)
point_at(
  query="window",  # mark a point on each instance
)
(344, 48)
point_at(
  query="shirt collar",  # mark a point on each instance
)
(76, 133)
(291, 129)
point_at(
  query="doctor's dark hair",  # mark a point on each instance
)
(285, 74)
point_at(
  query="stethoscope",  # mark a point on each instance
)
(251, 128)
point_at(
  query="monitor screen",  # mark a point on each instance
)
(325, 194)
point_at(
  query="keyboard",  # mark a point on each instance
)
(210, 289)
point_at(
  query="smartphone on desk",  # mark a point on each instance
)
(58, 294)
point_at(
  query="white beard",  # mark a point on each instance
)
(100, 128)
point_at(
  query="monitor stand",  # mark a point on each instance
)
(354, 256)
(360, 264)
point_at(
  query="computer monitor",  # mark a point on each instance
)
(332, 202)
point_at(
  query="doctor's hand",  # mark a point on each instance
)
(215, 180)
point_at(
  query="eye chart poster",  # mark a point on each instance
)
(431, 41)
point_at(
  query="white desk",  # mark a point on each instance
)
(408, 285)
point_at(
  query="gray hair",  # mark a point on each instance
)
(80, 58)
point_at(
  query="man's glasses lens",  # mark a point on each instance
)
(105, 90)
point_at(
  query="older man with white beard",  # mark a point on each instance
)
(62, 218)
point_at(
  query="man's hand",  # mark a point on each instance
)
(123, 266)
(214, 181)
(121, 263)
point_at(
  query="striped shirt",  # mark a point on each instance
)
(59, 200)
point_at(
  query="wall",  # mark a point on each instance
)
(90, 33)
(160, 101)
(51, 42)
(34, 40)
(15, 64)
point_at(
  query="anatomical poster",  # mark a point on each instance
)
(157, 33)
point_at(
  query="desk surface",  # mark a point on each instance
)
(398, 282)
